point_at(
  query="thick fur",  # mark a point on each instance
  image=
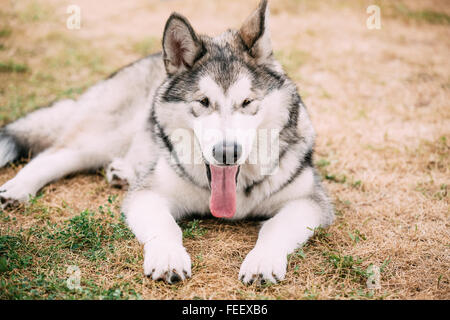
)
(130, 122)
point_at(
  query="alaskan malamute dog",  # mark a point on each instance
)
(181, 128)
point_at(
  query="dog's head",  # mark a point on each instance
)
(223, 90)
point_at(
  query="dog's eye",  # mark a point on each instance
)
(246, 103)
(205, 102)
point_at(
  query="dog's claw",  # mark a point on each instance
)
(119, 174)
(8, 203)
(261, 267)
(13, 193)
(170, 277)
(167, 262)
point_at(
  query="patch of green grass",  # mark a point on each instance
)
(356, 184)
(322, 163)
(147, 46)
(431, 190)
(297, 254)
(44, 251)
(300, 253)
(5, 32)
(43, 286)
(72, 66)
(192, 229)
(25, 288)
(385, 264)
(338, 178)
(292, 60)
(320, 234)
(5, 217)
(360, 293)
(71, 93)
(442, 193)
(351, 267)
(75, 57)
(310, 294)
(293, 7)
(72, 54)
(34, 12)
(16, 105)
(38, 209)
(426, 15)
(119, 291)
(347, 266)
(356, 236)
(91, 233)
(10, 255)
(11, 66)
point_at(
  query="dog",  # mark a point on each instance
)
(180, 128)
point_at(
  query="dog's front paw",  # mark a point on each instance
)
(119, 174)
(261, 266)
(166, 261)
(12, 194)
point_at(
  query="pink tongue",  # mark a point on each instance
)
(223, 191)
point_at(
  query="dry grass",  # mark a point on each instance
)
(379, 100)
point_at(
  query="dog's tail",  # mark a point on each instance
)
(35, 132)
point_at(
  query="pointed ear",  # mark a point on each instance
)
(255, 33)
(181, 46)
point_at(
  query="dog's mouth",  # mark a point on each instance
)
(223, 181)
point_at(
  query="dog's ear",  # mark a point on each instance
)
(255, 33)
(181, 46)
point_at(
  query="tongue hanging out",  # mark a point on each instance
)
(223, 191)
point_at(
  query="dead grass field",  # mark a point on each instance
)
(380, 102)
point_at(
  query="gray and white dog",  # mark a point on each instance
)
(180, 127)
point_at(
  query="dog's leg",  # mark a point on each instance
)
(149, 217)
(279, 236)
(46, 167)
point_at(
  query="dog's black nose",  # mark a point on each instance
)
(227, 153)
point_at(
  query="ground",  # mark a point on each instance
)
(379, 100)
